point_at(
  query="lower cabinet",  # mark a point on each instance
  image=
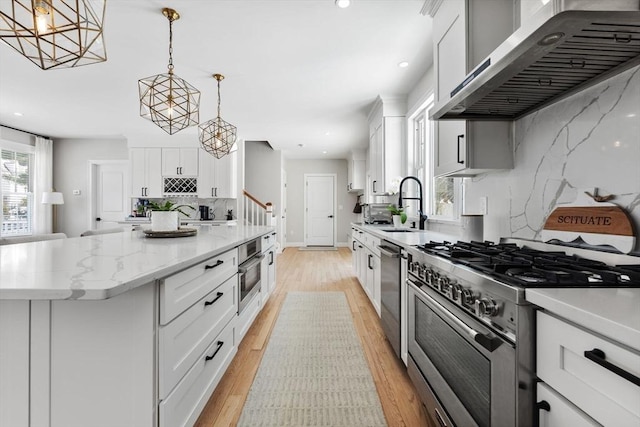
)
(587, 380)
(366, 264)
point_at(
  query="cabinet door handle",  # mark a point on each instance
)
(543, 405)
(597, 356)
(220, 344)
(212, 192)
(459, 138)
(218, 263)
(271, 256)
(353, 245)
(369, 262)
(373, 186)
(218, 296)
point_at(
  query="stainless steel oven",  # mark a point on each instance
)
(470, 346)
(249, 255)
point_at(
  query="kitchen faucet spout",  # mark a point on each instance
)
(421, 215)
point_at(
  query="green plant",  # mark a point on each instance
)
(398, 211)
(168, 206)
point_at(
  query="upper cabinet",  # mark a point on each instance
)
(218, 177)
(180, 162)
(356, 171)
(386, 136)
(464, 32)
(146, 172)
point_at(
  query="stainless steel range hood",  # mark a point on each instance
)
(553, 55)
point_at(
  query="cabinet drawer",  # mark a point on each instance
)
(182, 341)
(182, 290)
(183, 406)
(562, 363)
(560, 411)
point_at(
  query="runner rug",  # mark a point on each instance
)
(313, 372)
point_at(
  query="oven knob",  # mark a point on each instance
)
(413, 267)
(456, 292)
(434, 279)
(467, 297)
(423, 272)
(486, 307)
(444, 285)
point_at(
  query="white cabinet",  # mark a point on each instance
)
(386, 136)
(268, 266)
(217, 177)
(462, 38)
(146, 172)
(367, 266)
(587, 372)
(180, 162)
(556, 411)
(14, 363)
(355, 175)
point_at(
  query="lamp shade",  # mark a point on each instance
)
(52, 198)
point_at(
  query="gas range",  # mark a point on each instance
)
(488, 280)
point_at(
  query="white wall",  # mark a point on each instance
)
(295, 198)
(71, 172)
(262, 173)
(591, 139)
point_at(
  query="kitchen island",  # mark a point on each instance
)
(117, 329)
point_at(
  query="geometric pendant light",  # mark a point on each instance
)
(55, 33)
(166, 99)
(217, 136)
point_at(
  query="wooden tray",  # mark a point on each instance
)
(181, 232)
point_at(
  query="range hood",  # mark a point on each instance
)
(551, 56)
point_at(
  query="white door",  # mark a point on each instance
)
(319, 209)
(111, 196)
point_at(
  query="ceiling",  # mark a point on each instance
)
(297, 71)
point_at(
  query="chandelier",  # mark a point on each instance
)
(55, 33)
(217, 136)
(167, 100)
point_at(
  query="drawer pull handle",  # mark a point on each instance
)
(597, 356)
(544, 405)
(218, 263)
(439, 418)
(218, 296)
(220, 344)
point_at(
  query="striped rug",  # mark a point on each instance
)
(313, 372)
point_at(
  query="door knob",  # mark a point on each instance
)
(98, 219)
(330, 216)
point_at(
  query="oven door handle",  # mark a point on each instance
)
(248, 265)
(489, 343)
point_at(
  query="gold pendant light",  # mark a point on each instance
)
(167, 100)
(217, 136)
(55, 33)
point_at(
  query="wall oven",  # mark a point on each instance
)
(249, 257)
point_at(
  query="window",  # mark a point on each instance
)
(441, 194)
(16, 192)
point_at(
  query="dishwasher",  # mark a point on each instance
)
(390, 256)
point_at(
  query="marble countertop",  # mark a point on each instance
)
(102, 266)
(412, 238)
(611, 312)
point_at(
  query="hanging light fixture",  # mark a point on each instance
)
(166, 99)
(55, 33)
(217, 136)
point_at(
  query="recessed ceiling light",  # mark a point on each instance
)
(327, 133)
(17, 114)
(324, 152)
(343, 3)
(403, 64)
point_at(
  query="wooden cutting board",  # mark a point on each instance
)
(597, 223)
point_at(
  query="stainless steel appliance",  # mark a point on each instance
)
(249, 257)
(390, 293)
(377, 213)
(205, 213)
(471, 331)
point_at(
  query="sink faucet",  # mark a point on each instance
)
(421, 214)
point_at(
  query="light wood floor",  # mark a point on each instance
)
(317, 271)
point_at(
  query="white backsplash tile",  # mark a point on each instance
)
(591, 139)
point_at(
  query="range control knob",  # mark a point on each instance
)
(486, 307)
(444, 284)
(456, 292)
(413, 267)
(467, 297)
(434, 279)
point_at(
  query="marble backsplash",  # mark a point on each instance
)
(590, 140)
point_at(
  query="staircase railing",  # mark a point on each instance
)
(256, 212)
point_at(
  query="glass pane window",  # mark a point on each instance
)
(15, 190)
(444, 196)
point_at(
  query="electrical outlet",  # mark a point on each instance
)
(76, 192)
(484, 205)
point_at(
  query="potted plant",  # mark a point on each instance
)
(164, 215)
(398, 215)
